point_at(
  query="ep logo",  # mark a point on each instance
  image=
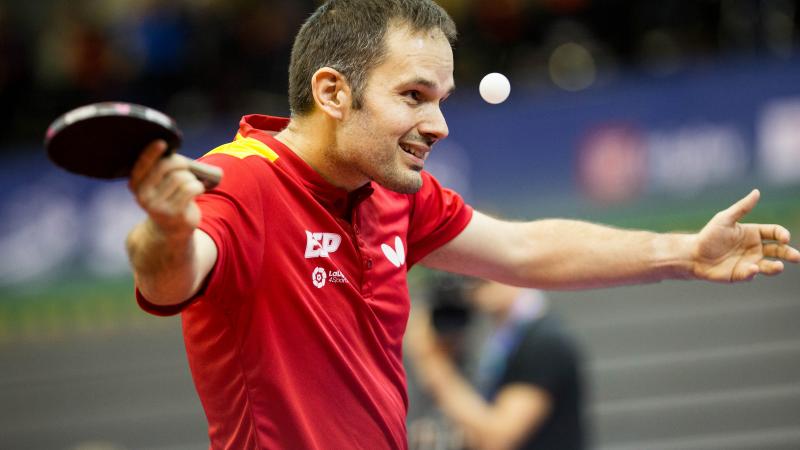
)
(320, 245)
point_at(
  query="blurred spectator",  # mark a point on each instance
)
(528, 392)
(214, 59)
(15, 72)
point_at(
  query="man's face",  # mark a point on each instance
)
(389, 138)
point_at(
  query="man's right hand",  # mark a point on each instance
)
(165, 188)
(169, 254)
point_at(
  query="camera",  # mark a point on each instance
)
(450, 311)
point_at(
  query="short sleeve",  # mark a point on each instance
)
(233, 216)
(437, 216)
(161, 310)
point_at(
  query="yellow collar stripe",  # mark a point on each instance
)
(243, 147)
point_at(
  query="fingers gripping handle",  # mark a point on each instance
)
(209, 175)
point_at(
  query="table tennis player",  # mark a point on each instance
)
(290, 276)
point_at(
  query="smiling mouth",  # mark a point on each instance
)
(421, 154)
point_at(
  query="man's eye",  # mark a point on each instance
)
(414, 95)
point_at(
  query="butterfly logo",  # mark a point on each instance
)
(396, 255)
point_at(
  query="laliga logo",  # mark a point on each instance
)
(319, 277)
(321, 244)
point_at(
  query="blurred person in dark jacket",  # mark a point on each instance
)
(528, 391)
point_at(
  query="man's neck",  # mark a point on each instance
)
(311, 138)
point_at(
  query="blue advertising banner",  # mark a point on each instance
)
(676, 136)
(536, 153)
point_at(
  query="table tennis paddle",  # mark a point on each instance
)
(104, 140)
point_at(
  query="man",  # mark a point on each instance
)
(290, 276)
(528, 386)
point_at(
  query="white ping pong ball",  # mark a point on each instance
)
(494, 88)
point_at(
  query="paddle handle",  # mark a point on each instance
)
(209, 175)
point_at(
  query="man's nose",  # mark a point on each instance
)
(434, 127)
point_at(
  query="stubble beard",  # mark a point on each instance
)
(393, 175)
(381, 165)
(410, 185)
(390, 171)
(387, 169)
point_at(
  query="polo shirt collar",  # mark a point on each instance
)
(337, 200)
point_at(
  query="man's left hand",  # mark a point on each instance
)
(728, 251)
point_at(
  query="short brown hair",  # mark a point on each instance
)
(349, 36)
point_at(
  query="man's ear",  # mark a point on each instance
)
(331, 91)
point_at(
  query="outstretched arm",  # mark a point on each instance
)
(169, 255)
(569, 254)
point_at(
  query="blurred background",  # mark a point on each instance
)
(637, 114)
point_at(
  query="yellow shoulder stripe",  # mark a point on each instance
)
(243, 147)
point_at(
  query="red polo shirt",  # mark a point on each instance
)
(296, 340)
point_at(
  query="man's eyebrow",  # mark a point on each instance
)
(428, 84)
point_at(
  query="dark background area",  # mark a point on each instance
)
(201, 60)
